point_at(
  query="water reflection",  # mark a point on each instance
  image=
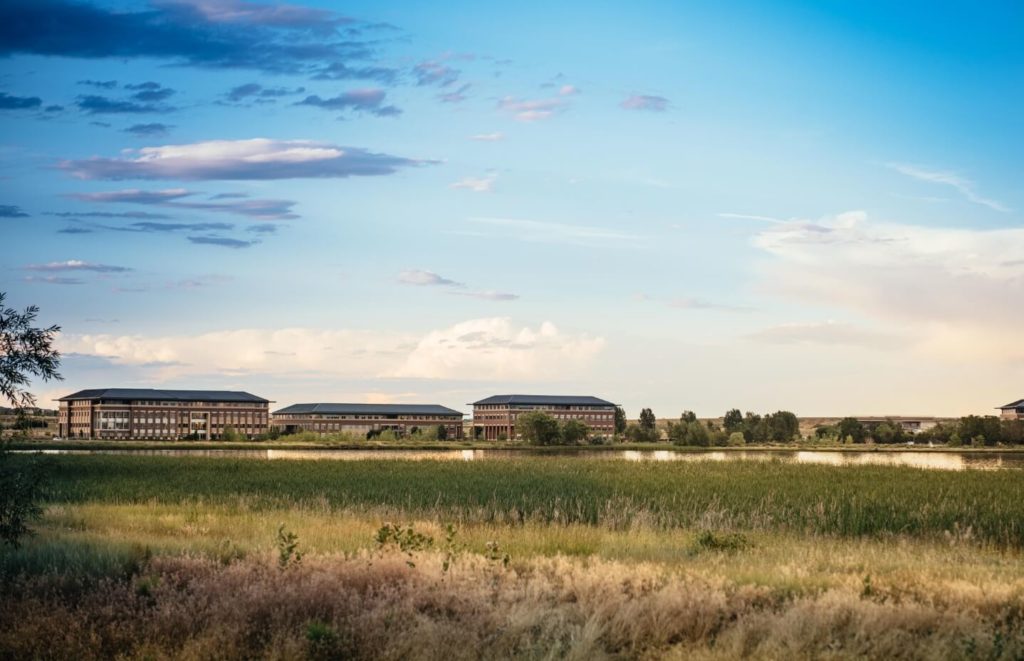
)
(935, 460)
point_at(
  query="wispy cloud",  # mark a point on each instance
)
(488, 295)
(255, 91)
(222, 241)
(76, 265)
(962, 185)
(532, 110)
(11, 211)
(235, 34)
(645, 102)
(172, 198)
(536, 231)
(254, 159)
(426, 278)
(53, 280)
(9, 102)
(148, 130)
(476, 184)
(692, 303)
(828, 333)
(95, 104)
(362, 100)
(488, 137)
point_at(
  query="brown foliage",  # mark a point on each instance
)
(374, 605)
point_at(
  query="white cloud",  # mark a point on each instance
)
(957, 292)
(476, 184)
(962, 185)
(257, 158)
(488, 137)
(480, 350)
(495, 349)
(568, 90)
(76, 265)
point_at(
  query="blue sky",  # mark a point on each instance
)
(802, 205)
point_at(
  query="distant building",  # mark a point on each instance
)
(362, 419)
(146, 414)
(906, 423)
(1013, 410)
(495, 417)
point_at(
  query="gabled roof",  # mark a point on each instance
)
(1013, 405)
(368, 409)
(545, 400)
(165, 395)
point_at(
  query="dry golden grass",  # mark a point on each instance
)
(373, 605)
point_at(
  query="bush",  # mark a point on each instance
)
(539, 428)
(574, 431)
(736, 439)
(637, 434)
(21, 490)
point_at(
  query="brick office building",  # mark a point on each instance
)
(402, 419)
(1013, 410)
(496, 416)
(143, 413)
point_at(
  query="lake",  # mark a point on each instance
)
(935, 460)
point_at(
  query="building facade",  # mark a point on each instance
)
(146, 414)
(494, 418)
(1013, 410)
(366, 419)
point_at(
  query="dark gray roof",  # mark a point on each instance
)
(165, 395)
(1013, 405)
(543, 400)
(369, 409)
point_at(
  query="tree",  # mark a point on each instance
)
(25, 352)
(783, 426)
(688, 416)
(853, 428)
(689, 432)
(442, 433)
(647, 419)
(229, 434)
(638, 434)
(754, 429)
(620, 420)
(574, 431)
(733, 421)
(538, 428)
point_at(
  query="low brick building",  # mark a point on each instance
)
(363, 419)
(1013, 410)
(495, 416)
(147, 414)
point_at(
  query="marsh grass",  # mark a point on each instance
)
(740, 496)
(181, 558)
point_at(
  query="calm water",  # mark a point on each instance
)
(936, 460)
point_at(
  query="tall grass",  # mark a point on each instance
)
(766, 496)
(380, 606)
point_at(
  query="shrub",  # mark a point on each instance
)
(539, 428)
(21, 490)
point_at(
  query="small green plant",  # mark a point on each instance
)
(715, 541)
(407, 540)
(322, 639)
(494, 554)
(287, 547)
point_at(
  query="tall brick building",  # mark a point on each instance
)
(143, 413)
(496, 416)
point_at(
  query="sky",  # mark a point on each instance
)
(811, 206)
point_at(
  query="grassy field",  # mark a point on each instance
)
(533, 557)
